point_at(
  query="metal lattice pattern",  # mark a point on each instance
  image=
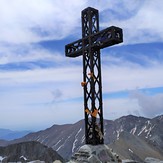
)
(92, 78)
(107, 37)
(93, 98)
(89, 46)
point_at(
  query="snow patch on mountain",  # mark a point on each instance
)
(74, 143)
(57, 143)
(119, 131)
(130, 150)
(23, 157)
(83, 139)
(1, 158)
(147, 129)
(133, 130)
(59, 147)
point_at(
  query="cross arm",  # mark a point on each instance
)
(74, 49)
(107, 37)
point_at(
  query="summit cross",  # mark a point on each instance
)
(89, 47)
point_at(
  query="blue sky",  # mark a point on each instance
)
(40, 87)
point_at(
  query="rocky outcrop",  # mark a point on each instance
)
(152, 160)
(132, 147)
(28, 151)
(95, 154)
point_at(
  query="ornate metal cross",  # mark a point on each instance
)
(89, 47)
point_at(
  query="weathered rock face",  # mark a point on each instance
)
(132, 147)
(28, 151)
(152, 160)
(130, 161)
(95, 154)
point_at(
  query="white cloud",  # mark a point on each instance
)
(131, 76)
(28, 53)
(38, 116)
(115, 108)
(33, 21)
(30, 97)
(26, 21)
(145, 23)
(150, 106)
(121, 7)
(64, 79)
(24, 91)
(117, 77)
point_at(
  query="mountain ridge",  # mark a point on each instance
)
(68, 138)
(7, 134)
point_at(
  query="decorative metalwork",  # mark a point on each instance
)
(89, 47)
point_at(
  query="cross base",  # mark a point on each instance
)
(95, 153)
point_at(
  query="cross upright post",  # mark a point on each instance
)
(89, 47)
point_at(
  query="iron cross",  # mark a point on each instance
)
(89, 47)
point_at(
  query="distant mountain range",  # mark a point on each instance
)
(130, 136)
(6, 134)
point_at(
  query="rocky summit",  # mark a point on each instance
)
(95, 154)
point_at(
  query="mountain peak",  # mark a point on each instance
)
(159, 117)
(67, 139)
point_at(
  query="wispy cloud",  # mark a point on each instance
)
(115, 108)
(33, 21)
(37, 88)
(26, 22)
(31, 55)
(143, 22)
(150, 106)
